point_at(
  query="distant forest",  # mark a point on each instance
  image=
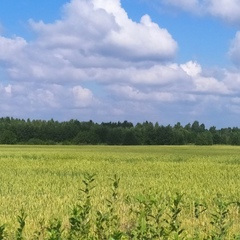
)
(20, 131)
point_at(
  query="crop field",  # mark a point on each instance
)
(202, 182)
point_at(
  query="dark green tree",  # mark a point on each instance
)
(204, 138)
(8, 137)
(129, 137)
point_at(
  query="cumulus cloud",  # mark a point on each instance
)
(170, 84)
(93, 41)
(96, 62)
(203, 83)
(193, 69)
(83, 97)
(228, 10)
(103, 28)
(90, 34)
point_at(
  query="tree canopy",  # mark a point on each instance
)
(20, 131)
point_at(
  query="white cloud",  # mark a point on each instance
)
(96, 60)
(159, 75)
(153, 75)
(43, 98)
(211, 85)
(154, 95)
(232, 80)
(11, 48)
(202, 83)
(193, 69)
(228, 10)
(83, 97)
(99, 28)
(234, 51)
(90, 36)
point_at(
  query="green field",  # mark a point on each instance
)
(45, 180)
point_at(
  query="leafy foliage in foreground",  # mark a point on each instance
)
(39, 132)
(150, 218)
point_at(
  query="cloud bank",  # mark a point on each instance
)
(97, 63)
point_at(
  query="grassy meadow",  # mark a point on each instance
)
(45, 182)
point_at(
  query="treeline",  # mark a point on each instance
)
(20, 131)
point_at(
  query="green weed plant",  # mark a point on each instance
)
(152, 219)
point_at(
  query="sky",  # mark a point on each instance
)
(164, 61)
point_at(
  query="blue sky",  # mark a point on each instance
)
(109, 60)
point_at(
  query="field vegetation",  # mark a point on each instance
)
(124, 192)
